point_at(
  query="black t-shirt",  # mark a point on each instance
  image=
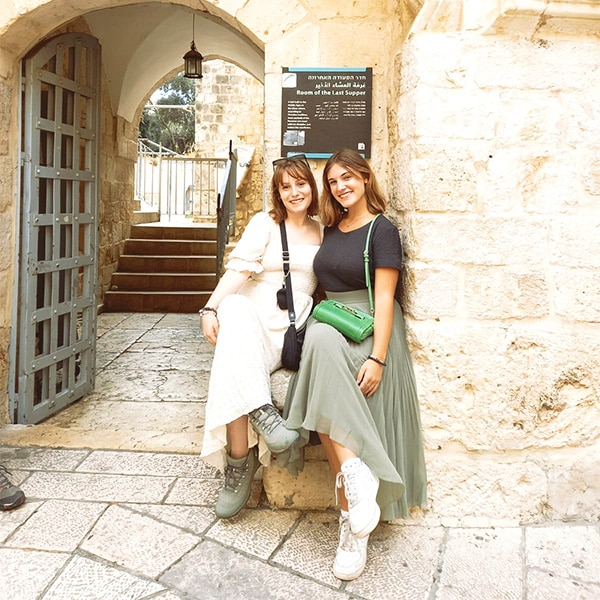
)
(339, 263)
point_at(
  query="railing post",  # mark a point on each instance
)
(226, 200)
(232, 188)
(160, 182)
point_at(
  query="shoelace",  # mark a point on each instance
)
(267, 419)
(347, 539)
(4, 482)
(350, 486)
(234, 476)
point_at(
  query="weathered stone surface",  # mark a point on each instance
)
(498, 556)
(312, 488)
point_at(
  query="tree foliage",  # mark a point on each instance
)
(172, 128)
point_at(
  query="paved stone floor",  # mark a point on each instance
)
(119, 507)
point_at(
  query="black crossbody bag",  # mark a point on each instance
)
(293, 339)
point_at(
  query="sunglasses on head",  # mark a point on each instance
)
(286, 159)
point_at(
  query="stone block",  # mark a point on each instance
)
(500, 293)
(489, 388)
(574, 486)
(270, 24)
(454, 185)
(314, 487)
(577, 294)
(279, 385)
(476, 119)
(519, 63)
(575, 242)
(467, 485)
(436, 292)
(481, 240)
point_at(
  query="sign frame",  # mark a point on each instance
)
(325, 109)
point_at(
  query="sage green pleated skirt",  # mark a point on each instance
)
(383, 430)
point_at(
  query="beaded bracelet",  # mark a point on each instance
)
(206, 310)
(377, 360)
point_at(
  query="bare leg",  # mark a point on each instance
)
(336, 455)
(237, 436)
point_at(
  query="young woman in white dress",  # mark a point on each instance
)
(245, 324)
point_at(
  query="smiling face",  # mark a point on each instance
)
(346, 186)
(295, 193)
(286, 171)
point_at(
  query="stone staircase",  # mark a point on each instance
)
(165, 268)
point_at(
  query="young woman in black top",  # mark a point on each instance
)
(360, 398)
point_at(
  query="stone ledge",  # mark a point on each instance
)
(314, 487)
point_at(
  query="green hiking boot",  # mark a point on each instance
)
(11, 496)
(237, 485)
(267, 422)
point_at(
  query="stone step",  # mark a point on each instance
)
(129, 263)
(314, 487)
(170, 247)
(155, 301)
(162, 282)
(165, 268)
(157, 231)
(145, 216)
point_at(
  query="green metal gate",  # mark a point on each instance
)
(53, 337)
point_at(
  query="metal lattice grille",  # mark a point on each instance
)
(56, 308)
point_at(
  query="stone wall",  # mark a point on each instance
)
(497, 184)
(327, 34)
(230, 107)
(7, 219)
(118, 155)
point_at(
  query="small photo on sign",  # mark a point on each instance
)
(294, 138)
(289, 80)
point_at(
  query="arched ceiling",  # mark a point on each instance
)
(143, 43)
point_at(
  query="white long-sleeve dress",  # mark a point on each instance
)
(251, 330)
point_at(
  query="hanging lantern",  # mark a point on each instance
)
(192, 59)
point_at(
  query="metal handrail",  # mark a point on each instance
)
(178, 186)
(145, 147)
(226, 201)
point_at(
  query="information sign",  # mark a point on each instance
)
(324, 110)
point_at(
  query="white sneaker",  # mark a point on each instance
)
(361, 488)
(351, 554)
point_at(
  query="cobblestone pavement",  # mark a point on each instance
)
(119, 507)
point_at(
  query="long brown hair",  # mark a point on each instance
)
(299, 169)
(331, 211)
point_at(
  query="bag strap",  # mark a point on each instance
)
(287, 276)
(367, 271)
